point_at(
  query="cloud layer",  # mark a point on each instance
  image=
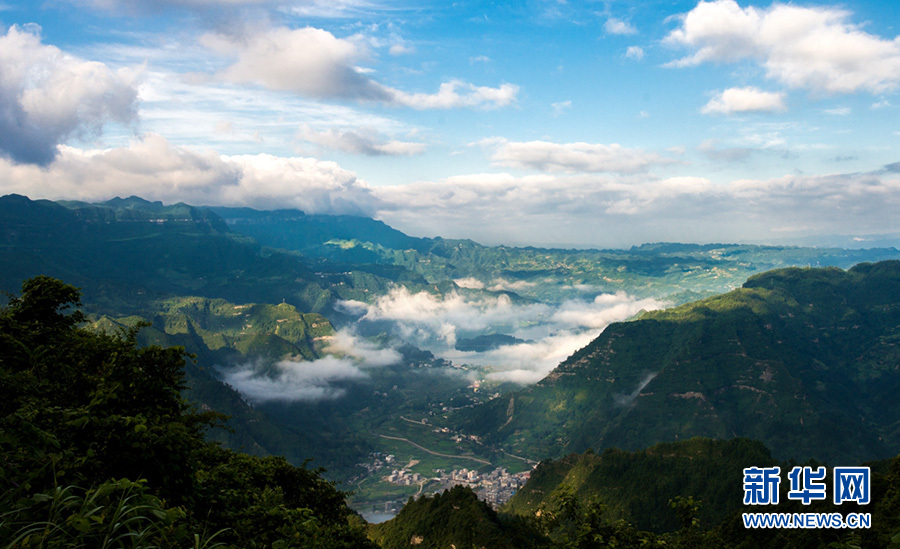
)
(552, 331)
(47, 97)
(546, 156)
(598, 211)
(305, 381)
(157, 170)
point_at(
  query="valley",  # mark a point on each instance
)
(342, 340)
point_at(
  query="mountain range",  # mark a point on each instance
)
(801, 358)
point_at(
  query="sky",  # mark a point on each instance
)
(535, 122)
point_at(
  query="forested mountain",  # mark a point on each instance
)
(100, 449)
(680, 272)
(805, 360)
(638, 486)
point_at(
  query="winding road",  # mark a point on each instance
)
(479, 460)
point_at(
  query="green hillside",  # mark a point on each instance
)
(805, 360)
(637, 486)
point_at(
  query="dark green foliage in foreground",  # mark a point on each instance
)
(454, 517)
(82, 412)
(687, 495)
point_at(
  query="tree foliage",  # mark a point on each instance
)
(97, 443)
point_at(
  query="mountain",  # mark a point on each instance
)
(126, 253)
(805, 360)
(218, 281)
(678, 272)
(453, 518)
(637, 486)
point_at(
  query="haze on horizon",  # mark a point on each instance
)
(603, 124)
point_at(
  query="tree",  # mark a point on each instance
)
(93, 427)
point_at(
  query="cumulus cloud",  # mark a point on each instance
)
(748, 99)
(617, 26)
(157, 170)
(314, 63)
(814, 48)
(546, 156)
(308, 61)
(367, 141)
(634, 52)
(47, 96)
(551, 332)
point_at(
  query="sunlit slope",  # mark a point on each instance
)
(638, 486)
(805, 360)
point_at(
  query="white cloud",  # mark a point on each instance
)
(48, 97)
(545, 156)
(599, 211)
(366, 353)
(553, 332)
(401, 49)
(365, 140)
(634, 52)
(315, 63)
(838, 111)
(322, 379)
(308, 61)
(157, 170)
(560, 107)
(455, 94)
(617, 26)
(290, 381)
(814, 48)
(504, 285)
(470, 283)
(749, 99)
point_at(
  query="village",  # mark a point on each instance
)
(495, 487)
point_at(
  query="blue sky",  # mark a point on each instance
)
(601, 124)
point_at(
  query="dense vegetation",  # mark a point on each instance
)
(804, 360)
(99, 448)
(637, 486)
(639, 499)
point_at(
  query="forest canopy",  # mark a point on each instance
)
(99, 447)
